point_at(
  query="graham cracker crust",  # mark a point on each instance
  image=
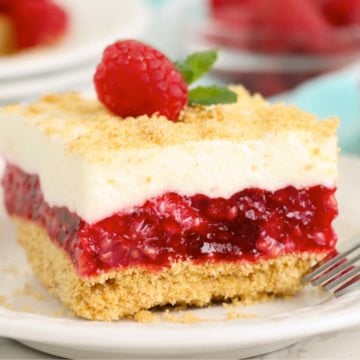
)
(122, 294)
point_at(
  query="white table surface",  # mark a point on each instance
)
(344, 345)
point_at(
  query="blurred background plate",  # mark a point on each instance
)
(91, 29)
(27, 88)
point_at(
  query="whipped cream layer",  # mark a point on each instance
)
(217, 168)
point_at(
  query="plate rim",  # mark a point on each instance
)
(126, 335)
(82, 54)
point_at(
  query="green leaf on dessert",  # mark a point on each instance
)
(211, 95)
(196, 65)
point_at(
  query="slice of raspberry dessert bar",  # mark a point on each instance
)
(120, 214)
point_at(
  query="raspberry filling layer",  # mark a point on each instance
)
(253, 224)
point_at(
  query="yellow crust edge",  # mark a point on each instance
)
(123, 294)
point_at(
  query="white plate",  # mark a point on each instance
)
(94, 24)
(26, 89)
(278, 323)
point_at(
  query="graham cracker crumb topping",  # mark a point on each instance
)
(87, 128)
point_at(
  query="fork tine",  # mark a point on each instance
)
(352, 286)
(342, 279)
(328, 275)
(330, 263)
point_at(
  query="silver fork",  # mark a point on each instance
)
(341, 273)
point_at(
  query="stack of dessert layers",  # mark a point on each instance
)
(120, 215)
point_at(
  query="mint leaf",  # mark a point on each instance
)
(185, 72)
(193, 68)
(196, 65)
(210, 95)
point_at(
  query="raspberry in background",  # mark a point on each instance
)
(342, 12)
(5, 5)
(233, 17)
(282, 26)
(219, 4)
(237, 15)
(135, 79)
(38, 22)
(292, 25)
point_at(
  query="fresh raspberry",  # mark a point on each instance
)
(220, 4)
(236, 13)
(5, 5)
(292, 25)
(134, 79)
(275, 25)
(342, 12)
(38, 22)
(238, 16)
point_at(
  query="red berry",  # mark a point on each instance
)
(5, 5)
(342, 12)
(293, 25)
(217, 4)
(134, 79)
(38, 22)
(275, 25)
(236, 14)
